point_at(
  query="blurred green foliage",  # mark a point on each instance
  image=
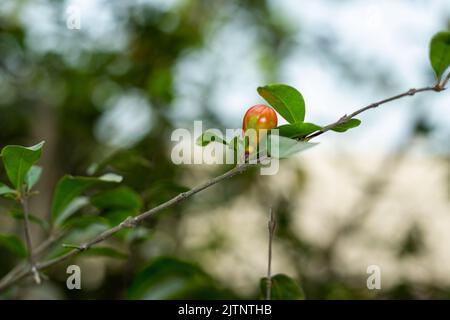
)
(61, 96)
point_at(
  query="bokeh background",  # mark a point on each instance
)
(106, 98)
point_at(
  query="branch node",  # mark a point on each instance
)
(438, 87)
(129, 222)
(412, 92)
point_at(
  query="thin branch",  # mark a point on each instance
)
(271, 226)
(26, 222)
(374, 105)
(131, 222)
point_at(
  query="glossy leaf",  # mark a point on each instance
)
(13, 244)
(299, 129)
(286, 100)
(283, 288)
(69, 188)
(352, 123)
(440, 53)
(18, 160)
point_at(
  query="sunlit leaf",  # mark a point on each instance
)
(286, 100)
(297, 129)
(440, 53)
(352, 123)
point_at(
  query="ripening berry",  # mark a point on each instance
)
(258, 117)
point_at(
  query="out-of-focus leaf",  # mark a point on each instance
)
(283, 288)
(352, 123)
(297, 129)
(73, 206)
(119, 198)
(440, 53)
(33, 176)
(286, 100)
(6, 191)
(18, 215)
(76, 235)
(207, 137)
(84, 221)
(171, 278)
(70, 187)
(18, 161)
(13, 244)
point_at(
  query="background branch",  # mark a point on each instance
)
(374, 105)
(271, 226)
(26, 223)
(131, 222)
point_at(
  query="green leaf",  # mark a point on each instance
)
(119, 198)
(283, 288)
(352, 123)
(207, 137)
(33, 176)
(171, 278)
(279, 147)
(6, 191)
(286, 100)
(299, 129)
(440, 53)
(13, 244)
(85, 221)
(18, 161)
(69, 188)
(106, 252)
(73, 206)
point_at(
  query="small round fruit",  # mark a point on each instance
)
(258, 117)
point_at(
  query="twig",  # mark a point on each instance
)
(345, 118)
(132, 222)
(271, 226)
(36, 254)
(24, 202)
